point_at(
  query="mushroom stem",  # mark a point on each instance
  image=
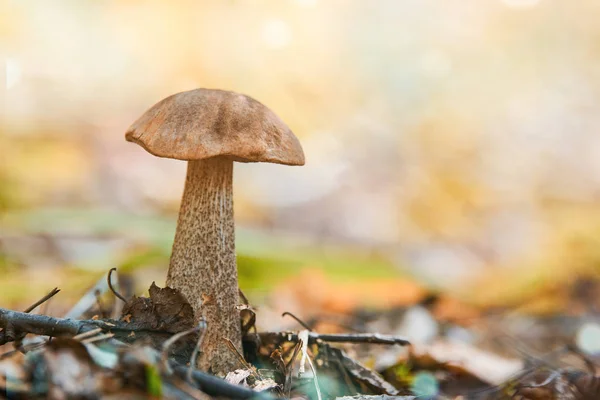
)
(203, 264)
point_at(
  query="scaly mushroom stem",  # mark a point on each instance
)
(203, 265)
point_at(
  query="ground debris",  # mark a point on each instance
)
(165, 310)
(381, 397)
(251, 379)
(557, 384)
(465, 359)
(359, 373)
(147, 353)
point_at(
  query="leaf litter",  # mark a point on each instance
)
(148, 352)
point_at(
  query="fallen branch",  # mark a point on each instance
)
(376, 338)
(15, 322)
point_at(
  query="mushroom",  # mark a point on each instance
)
(211, 129)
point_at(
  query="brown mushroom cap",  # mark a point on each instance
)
(204, 123)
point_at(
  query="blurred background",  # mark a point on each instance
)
(450, 144)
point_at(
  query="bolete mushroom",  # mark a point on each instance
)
(211, 129)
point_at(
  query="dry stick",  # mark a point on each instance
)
(235, 351)
(243, 297)
(15, 322)
(32, 307)
(242, 361)
(202, 329)
(375, 338)
(298, 320)
(44, 299)
(164, 354)
(98, 338)
(87, 334)
(297, 348)
(112, 289)
(289, 367)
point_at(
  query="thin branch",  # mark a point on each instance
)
(235, 351)
(15, 322)
(298, 320)
(202, 326)
(87, 334)
(243, 297)
(112, 289)
(290, 363)
(164, 354)
(376, 338)
(44, 299)
(98, 338)
(289, 368)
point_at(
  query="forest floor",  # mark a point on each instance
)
(418, 344)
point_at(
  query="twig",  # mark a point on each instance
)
(164, 354)
(112, 289)
(297, 348)
(202, 326)
(375, 338)
(98, 338)
(18, 338)
(15, 322)
(289, 368)
(235, 351)
(298, 320)
(243, 297)
(44, 299)
(87, 334)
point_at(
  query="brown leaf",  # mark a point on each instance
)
(166, 310)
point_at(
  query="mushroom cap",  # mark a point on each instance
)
(204, 123)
